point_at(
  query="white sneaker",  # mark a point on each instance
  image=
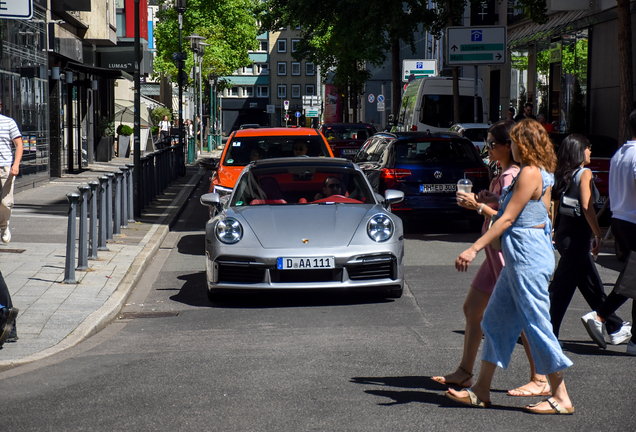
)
(595, 328)
(6, 235)
(631, 348)
(620, 336)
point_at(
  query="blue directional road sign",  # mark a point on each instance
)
(297, 113)
(476, 45)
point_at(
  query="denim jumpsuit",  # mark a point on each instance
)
(521, 300)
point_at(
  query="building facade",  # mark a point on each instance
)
(246, 101)
(291, 79)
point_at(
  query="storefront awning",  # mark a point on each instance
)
(103, 72)
(557, 24)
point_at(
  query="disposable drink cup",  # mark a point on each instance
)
(464, 185)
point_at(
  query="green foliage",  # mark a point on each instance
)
(124, 130)
(106, 126)
(228, 26)
(154, 130)
(158, 113)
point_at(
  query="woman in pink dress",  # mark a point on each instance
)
(486, 204)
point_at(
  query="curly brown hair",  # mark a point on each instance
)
(534, 145)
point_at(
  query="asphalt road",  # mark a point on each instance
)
(297, 362)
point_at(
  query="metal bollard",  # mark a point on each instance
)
(124, 197)
(92, 232)
(103, 183)
(69, 267)
(82, 251)
(117, 221)
(153, 177)
(131, 194)
(109, 206)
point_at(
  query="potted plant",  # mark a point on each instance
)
(105, 149)
(123, 140)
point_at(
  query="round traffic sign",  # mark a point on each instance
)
(380, 98)
(371, 98)
(297, 113)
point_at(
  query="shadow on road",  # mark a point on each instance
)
(433, 394)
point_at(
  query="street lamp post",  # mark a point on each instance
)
(197, 50)
(180, 6)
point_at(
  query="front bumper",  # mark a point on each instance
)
(360, 271)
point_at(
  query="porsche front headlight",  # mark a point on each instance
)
(380, 228)
(229, 231)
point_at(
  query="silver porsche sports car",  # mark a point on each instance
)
(304, 223)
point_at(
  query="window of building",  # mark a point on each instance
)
(248, 91)
(295, 91)
(310, 90)
(309, 69)
(282, 68)
(282, 45)
(264, 45)
(282, 91)
(234, 91)
(249, 70)
(262, 91)
(295, 43)
(295, 68)
(264, 68)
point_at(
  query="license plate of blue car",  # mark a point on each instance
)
(438, 188)
(305, 263)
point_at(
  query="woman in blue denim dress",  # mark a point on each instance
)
(520, 300)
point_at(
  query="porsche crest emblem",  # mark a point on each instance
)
(305, 241)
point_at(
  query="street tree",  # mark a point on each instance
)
(229, 27)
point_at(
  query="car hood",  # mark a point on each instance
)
(323, 225)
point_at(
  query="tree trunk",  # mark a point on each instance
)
(345, 104)
(396, 82)
(625, 70)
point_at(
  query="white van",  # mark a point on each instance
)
(427, 104)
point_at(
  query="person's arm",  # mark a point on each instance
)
(529, 180)
(587, 205)
(15, 169)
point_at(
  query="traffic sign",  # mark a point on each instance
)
(297, 114)
(380, 106)
(286, 105)
(476, 45)
(371, 98)
(419, 69)
(16, 9)
(380, 98)
(311, 112)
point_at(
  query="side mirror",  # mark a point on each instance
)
(210, 164)
(393, 196)
(213, 200)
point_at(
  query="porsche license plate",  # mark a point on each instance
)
(299, 263)
(438, 188)
(349, 151)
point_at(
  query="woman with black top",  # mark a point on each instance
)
(572, 236)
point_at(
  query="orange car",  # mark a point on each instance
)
(247, 145)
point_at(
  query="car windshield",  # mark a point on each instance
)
(437, 110)
(432, 152)
(304, 184)
(347, 132)
(243, 150)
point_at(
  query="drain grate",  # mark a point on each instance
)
(150, 314)
(12, 250)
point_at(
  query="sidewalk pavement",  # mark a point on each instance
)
(53, 315)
